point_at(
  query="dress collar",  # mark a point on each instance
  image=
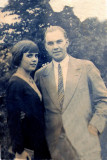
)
(30, 82)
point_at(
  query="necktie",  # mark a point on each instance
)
(60, 86)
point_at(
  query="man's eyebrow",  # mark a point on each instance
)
(50, 42)
(59, 40)
(53, 41)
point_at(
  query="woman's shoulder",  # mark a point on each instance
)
(15, 87)
(16, 82)
(15, 79)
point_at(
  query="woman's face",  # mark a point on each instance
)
(29, 61)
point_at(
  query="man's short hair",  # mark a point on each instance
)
(54, 28)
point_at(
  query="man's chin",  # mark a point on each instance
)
(58, 59)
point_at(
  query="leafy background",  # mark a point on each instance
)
(88, 40)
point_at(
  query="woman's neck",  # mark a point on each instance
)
(22, 71)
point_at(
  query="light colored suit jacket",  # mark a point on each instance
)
(85, 102)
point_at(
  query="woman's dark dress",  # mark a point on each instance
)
(26, 119)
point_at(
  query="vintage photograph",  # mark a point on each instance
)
(53, 81)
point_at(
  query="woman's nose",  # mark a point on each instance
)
(34, 59)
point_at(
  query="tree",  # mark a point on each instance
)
(88, 39)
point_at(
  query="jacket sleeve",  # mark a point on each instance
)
(14, 103)
(99, 97)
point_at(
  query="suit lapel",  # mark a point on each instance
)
(50, 85)
(73, 76)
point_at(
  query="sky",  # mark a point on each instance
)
(5, 17)
(3, 3)
(83, 9)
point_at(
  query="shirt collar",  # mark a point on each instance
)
(63, 63)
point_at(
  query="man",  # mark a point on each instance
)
(75, 100)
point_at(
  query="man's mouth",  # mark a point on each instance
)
(56, 52)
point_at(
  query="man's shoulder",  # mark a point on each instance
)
(43, 69)
(86, 64)
(81, 61)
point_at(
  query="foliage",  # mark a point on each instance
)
(88, 39)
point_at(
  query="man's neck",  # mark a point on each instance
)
(66, 58)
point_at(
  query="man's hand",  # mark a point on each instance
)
(92, 130)
(23, 156)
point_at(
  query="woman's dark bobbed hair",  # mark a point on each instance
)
(22, 47)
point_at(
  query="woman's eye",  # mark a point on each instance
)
(29, 55)
(36, 56)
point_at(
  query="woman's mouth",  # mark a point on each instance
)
(33, 65)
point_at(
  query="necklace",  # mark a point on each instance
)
(23, 74)
(31, 80)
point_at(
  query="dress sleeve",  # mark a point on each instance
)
(14, 104)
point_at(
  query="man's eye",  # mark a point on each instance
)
(50, 43)
(59, 41)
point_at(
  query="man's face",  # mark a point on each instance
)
(56, 45)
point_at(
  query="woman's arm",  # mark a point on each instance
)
(14, 105)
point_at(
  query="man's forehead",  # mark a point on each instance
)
(54, 35)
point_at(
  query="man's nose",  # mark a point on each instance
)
(55, 46)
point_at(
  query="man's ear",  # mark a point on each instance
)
(67, 42)
(45, 45)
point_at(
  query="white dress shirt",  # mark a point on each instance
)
(64, 66)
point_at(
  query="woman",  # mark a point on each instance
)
(25, 110)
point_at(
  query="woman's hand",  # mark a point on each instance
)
(92, 130)
(24, 155)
